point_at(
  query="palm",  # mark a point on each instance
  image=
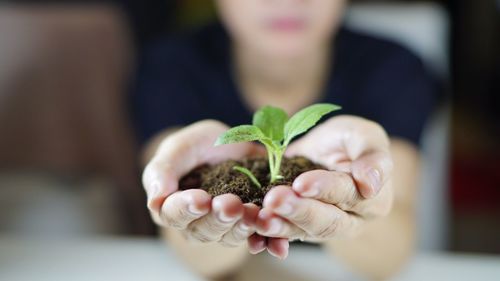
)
(340, 141)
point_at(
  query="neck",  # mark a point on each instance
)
(283, 72)
(271, 80)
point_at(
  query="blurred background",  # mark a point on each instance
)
(68, 157)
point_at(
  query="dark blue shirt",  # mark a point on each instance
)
(188, 78)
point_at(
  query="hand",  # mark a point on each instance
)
(322, 204)
(193, 212)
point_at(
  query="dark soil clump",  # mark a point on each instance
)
(221, 178)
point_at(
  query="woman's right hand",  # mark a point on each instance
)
(198, 216)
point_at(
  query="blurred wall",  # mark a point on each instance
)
(64, 73)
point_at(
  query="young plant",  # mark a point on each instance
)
(271, 127)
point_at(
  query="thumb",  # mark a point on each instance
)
(371, 171)
(159, 182)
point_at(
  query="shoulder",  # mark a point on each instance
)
(373, 47)
(175, 80)
(385, 82)
(369, 55)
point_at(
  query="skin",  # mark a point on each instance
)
(353, 209)
(323, 216)
(322, 205)
(273, 64)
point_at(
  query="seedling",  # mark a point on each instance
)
(249, 174)
(271, 127)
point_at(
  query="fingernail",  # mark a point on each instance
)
(313, 191)
(244, 227)
(154, 189)
(375, 180)
(306, 190)
(195, 210)
(223, 217)
(274, 226)
(256, 251)
(285, 253)
(285, 208)
(273, 254)
(284, 256)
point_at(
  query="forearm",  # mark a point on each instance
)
(385, 244)
(381, 249)
(210, 260)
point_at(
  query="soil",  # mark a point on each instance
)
(221, 178)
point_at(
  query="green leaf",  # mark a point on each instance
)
(306, 118)
(241, 133)
(248, 173)
(271, 121)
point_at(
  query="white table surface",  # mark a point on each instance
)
(113, 258)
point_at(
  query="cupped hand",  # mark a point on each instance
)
(198, 216)
(321, 204)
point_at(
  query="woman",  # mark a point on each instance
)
(288, 54)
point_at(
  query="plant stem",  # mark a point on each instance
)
(275, 171)
(270, 157)
(249, 174)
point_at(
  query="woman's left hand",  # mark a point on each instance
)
(322, 204)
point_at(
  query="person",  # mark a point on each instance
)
(288, 54)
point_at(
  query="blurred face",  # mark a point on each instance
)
(281, 28)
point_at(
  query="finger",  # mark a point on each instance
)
(340, 140)
(330, 187)
(278, 247)
(227, 209)
(270, 225)
(317, 219)
(159, 182)
(256, 244)
(184, 150)
(371, 171)
(339, 189)
(243, 228)
(181, 208)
